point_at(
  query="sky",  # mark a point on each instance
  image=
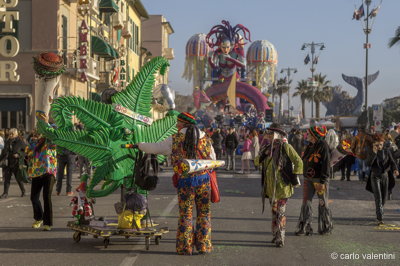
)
(287, 24)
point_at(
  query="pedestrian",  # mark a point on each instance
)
(297, 142)
(1, 148)
(194, 189)
(316, 162)
(246, 156)
(276, 186)
(255, 146)
(347, 162)
(65, 160)
(9, 160)
(217, 143)
(359, 147)
(42, 168)
(231, 143)
(380, 161)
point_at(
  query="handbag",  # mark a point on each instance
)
(215, 197)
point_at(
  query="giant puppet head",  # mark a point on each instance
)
(227, 37)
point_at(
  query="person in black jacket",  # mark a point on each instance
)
(65, 159)
(10, 156)
(381, 161)
(316, 160)
(217, 143)
(231, 143)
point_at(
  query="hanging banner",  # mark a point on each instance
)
(83, 50)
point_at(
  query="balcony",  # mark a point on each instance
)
(117, 21)
(126, 32)
(72, 67)
(104, 81)
(168, 53)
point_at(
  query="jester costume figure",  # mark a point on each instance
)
(193, 189)
(316, 161)
(276, 187)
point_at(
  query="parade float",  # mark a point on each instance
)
(225, 80)
(108, 129)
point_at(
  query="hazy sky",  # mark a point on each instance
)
(288, 24)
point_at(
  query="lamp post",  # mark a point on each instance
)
(288, 71)
(314, 61)
(367, 31)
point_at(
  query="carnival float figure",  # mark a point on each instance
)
(82, 208)
(228, 61)
(108, 127)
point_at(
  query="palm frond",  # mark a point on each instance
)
(159, 130)
(396, 39)
(138, 94)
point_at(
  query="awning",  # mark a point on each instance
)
(108, 6)
(103, 49)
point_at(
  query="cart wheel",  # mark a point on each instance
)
(157, 240)
(106, 242)
(77, 236)
(95, 236)
(147, 241)
(126, 237)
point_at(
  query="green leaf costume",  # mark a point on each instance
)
(106, 129)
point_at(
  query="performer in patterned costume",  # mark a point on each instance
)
(316, 161)
(275, 187)
(193, 189)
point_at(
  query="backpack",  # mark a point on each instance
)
(287, 174)
(146, 171)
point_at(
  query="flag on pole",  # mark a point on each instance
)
(359, 13)
(374, 12)
(231, 92)
(307, 59)
(316, 60)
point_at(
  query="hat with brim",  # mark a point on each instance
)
(48, 65)
(275, 127)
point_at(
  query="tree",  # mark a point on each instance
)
(281, 88)
(396, 39)
(304, 92)
(323, 93)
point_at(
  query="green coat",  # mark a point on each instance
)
(281, 189)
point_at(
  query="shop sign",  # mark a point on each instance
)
(122, 75)
(8, 68)
(83, 46)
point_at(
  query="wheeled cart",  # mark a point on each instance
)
(106, 232)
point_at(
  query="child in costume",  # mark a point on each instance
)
(193, 189)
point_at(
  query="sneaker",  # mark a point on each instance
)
(37, 224)
(46, 228)
(4, 196)
(279, 243)
(70, 194)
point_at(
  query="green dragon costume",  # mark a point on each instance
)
(107, 129)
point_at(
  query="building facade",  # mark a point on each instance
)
(392, 104)
(99, 40)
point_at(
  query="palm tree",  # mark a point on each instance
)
(396, 39)
(304, 92)
(281, 88)
(322, 93)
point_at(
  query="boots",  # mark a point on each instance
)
(4, 196)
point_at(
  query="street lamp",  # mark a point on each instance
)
(314, 61)
(288, 71)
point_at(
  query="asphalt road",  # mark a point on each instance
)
(241, 233)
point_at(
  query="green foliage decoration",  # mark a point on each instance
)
(106, 130)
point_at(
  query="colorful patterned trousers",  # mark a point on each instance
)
(324, 214)
(279, 219)
(186, 237)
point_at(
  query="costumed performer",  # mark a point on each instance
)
(276, 186)
(316, 161)
(193, 189)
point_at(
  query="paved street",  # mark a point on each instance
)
(241, 233)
